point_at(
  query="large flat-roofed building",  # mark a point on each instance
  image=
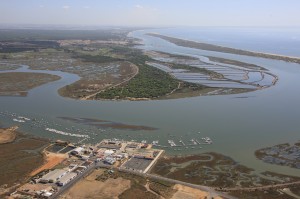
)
(79, 170)
(66, 178)
(132, 145)
(110, 146)
(53, 176)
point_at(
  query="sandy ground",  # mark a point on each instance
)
(35, 187)
(188, 193)
(51, 160)
(7, 135)
(91, 188)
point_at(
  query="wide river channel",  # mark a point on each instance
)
(238, 124)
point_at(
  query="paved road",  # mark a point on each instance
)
(63, 189)
(261, 188)
(126, 80)
(212, 192)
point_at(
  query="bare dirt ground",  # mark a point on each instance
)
(51, 160)
(8, 135)
(91, 188)
(188, 193)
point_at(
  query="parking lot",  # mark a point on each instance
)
(137, 164)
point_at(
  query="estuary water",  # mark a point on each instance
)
(274, 40)
(238, 124)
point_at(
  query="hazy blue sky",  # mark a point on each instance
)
(152, 12)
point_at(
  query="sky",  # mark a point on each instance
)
(152, 12)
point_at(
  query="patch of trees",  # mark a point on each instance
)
(149, 83)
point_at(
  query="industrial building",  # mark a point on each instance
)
(110, 160)
(53, 176)
(77, 151)
(66, 178)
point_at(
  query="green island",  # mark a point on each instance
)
(149, 83)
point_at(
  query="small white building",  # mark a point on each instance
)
(109, 160)
(108, 152)
(77, 151)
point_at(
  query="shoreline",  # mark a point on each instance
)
(8, 135)
(224, 49)
(16, 83)
(186, 163)
(25, 151)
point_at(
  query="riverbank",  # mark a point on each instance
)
(216, 48)
(18, 83)
(19, 155)
(8, 135)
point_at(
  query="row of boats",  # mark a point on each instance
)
(65, 133)
(192, 142)
(21, 119)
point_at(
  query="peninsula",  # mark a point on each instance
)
(223, 49)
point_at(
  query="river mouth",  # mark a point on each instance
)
(238, 124)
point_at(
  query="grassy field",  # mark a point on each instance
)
(15, 162)
(216, 170)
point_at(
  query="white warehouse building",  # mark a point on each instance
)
(53, 176)
(66, 178)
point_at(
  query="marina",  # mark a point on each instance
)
(177, 144)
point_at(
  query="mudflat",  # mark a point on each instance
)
(18, 83)
(8, 135)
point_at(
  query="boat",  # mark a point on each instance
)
(207, 140)
(182, 142)
(23, 118)
(193, 141)
(65, 133)
(16, 120)
(172, 143)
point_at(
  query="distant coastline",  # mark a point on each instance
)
(217, 48)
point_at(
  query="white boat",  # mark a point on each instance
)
(172, 143)
(16, 120)
(65, 133)
(23, 118)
